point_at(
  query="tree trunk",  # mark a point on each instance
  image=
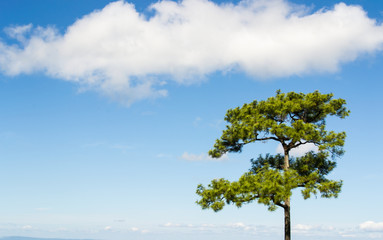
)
(287, 220)
(287, 201)
(286, 164)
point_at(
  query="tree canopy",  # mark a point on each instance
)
(292, 119)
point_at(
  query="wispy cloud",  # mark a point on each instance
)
(27, 227)
(211, 227)
(242, 226)
(310, 230)
(366, 230)
(372, 226)
(127, 56)
(134, 229)
(201, 157)
(107, 228)
(197, 121)
(19, 32)
(139, 230)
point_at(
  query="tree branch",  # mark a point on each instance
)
(268, 138)
(293, 116)
(280, 205)
(301, 143)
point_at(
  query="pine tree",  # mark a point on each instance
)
(292, 119)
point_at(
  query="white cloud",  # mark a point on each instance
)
(324, 231)
(302, 227)
(242, 226)
(348, 235)
(233, 226)
(127, 56)
(366, 230)
(372, 226)
(300, 150)
(18, 32)
(169, 224)
(136, 229)
(107, 228)
(27, 227)
(201, 157)
(237, 225)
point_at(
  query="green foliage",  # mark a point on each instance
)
(268, 184)
(293, 119)
(305, 165)
(269, 187)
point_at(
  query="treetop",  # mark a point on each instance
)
(290, 118)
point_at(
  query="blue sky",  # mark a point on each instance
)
(107, 111)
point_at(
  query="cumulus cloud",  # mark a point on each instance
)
(128, 56)
(18, 32)
(300, 150)
(201, 157)
(372, 226)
